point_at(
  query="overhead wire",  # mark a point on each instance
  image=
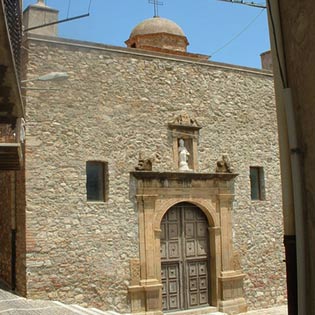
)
(89, 6)
(39, 56)
(68, 11)
(45, 2)
(60, 21)
(238, 34)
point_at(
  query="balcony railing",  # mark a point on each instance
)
(11, 145)
(7, 134)
(14, 21)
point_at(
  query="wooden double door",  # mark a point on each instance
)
(184, 258)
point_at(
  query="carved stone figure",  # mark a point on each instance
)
(185, 120)
(224, 165)
(183, 156)
(144, 164)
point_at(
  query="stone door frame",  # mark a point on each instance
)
(155, 194)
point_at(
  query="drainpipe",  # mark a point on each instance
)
(295, 154)
(290, 158)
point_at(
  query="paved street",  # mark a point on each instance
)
(281, 310)
(11, 304)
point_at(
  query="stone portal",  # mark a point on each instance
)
(185, 236)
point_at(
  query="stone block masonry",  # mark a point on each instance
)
(116, 103)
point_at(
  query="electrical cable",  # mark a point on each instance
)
(45, 2)
(60, 21)
(68, 11)
(238, 34)
(89, 6)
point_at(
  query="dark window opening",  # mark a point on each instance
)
(96, 181)
(257, 183)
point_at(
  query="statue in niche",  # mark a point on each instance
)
(183, 156)
(224, 165)
(143, 164)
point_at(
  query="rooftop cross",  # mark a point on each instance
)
(156, 4)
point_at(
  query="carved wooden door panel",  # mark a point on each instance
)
(171, 258)
(184, 258)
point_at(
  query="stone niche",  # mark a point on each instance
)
(155, 194)
(186, 128)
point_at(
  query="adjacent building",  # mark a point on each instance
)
(12, 249)
(291, 24)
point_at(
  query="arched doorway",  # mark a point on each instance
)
(184, 258)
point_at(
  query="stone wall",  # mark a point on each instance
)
(116, 103)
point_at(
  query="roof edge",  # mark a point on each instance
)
(139, 52)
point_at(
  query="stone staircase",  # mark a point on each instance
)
(77, 309)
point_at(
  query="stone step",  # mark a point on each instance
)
(104, 312)
(90, 311)
(79, 310)
(209, 310)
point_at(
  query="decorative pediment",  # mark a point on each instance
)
(184, 120)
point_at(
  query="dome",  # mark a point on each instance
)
(157, 25)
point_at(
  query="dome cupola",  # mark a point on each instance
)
(157, 25)
(158, 34)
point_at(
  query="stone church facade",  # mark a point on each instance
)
(152, 178)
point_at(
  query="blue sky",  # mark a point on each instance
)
(208, 25)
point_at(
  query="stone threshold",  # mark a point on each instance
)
(197, 311)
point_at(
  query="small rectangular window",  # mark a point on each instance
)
(257, 183)
(96, 181)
